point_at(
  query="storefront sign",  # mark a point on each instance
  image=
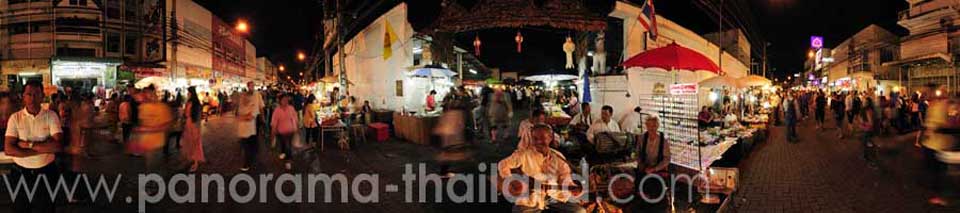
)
(17, 66)
(683, 89)
(816, 42)
(143, 72)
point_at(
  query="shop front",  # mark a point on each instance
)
(18, 72)
(84, 73)
(194, 76)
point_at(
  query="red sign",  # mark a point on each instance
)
(143, 72)
(683, 89)
(229, 48)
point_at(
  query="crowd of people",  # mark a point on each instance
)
(929, 113)
(50, 136)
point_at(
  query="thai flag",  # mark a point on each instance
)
(648, 18)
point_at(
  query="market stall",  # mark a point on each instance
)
(551, 80)
(677, 103)
(415, 128)
(555, 114)
(419, 82)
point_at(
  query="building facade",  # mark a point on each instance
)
(858, 60)
(107, 43)
(928, 53)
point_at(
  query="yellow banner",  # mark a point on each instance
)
(388, 39)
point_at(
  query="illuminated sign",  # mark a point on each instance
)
(816, 42)
(683, 89)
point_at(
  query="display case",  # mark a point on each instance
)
(678, 122)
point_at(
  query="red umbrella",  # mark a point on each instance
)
(672, 57)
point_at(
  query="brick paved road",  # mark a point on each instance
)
(822, 173)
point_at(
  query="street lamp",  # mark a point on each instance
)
(282, 68)
(242, 26)
(810, 54)
(301, 56)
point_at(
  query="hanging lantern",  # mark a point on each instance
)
(476, 45)
(519, 39)
(568, 48)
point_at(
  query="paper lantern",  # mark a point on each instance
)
(519, 39)
(476, 45)
(568, 48)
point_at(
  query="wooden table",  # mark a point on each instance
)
(416, 129)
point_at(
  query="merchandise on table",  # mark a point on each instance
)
(554, 110)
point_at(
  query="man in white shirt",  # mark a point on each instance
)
(545, 166)
(605, 124)
(631, 122)
(32, 138)
(250, 107)
(584, 117)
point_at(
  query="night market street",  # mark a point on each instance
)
(522, 106)
(816, 174)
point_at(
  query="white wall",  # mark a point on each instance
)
(195, 21)
(670, 32)
(374, 78)
(612, 90)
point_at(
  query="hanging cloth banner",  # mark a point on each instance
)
(388, 39)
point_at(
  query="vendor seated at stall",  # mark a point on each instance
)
(431, 101)
(730, 119)
(605, 124)
(630, 123)
(705, 118)
(653, 157)
(582, 121)
(558, 191)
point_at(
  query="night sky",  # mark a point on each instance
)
(281, 27)
(788, 24)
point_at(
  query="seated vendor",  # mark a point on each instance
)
(605, 124)
(545, 166)
(731, 119)
(653, 150)
(705, 117)
(584, 119)
(630, 123)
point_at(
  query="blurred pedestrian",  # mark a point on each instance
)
(251, 106)
(127, 114)
(499, 113)
(7, 109)
(791, 116)
(154, 119)
(175, 133)
(820, 109)
(839, 111)
(311, 123)
(939, 147)
(284, 125)
(867, 128)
